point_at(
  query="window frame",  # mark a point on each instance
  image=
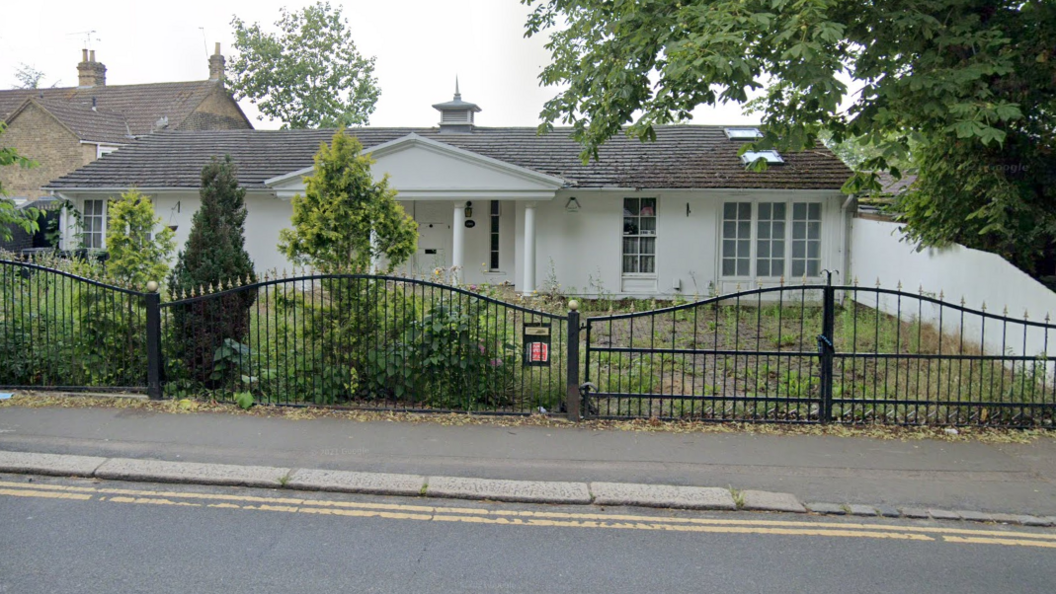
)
(654, 236)
(790, 203)
(495, 236)
(101, 215)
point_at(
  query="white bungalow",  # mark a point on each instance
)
(678, 216)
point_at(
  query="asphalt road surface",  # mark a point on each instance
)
(87, 537)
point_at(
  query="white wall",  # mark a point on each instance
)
(879, 256)
(586, 246)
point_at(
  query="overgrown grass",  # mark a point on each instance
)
(746, 358)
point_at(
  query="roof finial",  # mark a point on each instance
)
(458, 95)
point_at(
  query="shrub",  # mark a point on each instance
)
(450, 358)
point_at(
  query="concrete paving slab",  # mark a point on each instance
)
(944, 514)
(832, 509)
(917, 513)
(888, 511)
(124, 469)
(49, 464)
(374, 483)
(974, 516)
(503, 490)
(769, 501)
(662, 496)
(861, 510)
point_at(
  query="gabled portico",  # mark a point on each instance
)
(466, 205)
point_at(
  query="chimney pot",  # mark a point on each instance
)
(216, 52)
(89, 72)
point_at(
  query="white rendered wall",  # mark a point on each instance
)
(585, 247)
(879, 256)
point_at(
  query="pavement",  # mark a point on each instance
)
(941, 480)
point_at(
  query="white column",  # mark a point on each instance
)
(458, 242)
(373, 252)
(529, 249)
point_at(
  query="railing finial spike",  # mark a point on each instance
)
(920, 290)
(899, 285)
(1004, 312)
(855, 280)
(963, 302)
(983, 308)
(878, 282)
(781, 282)
(942, 295)
(1047, 318)
(1026, 314)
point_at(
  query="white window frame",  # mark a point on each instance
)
(654, 236)
(102, 216)
(754, 238)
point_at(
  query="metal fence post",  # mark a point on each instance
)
(573, 398)
(153, 303)
(826, 348)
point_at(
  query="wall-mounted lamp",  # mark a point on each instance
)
(572, 205)
(469, 209)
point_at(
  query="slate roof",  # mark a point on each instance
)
(682, 157)
(140, 105)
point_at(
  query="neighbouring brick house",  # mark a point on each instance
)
(63, 129)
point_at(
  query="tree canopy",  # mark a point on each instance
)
(138, 244)
(28, 77)
(346, 220)
(9, 214)
(969, 85)
(309, 74)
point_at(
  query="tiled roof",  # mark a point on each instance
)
(681, 157)
(96, 125)
(140, 105)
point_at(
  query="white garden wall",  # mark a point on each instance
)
(880, 256)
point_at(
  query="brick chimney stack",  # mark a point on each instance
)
(89, 72)
(216, 65)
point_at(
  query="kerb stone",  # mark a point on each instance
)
(943, 514)
(831, 509)
(374, 483)
(662, 496)
(191, 473)
(768, 501)
(974, 516)
(861, 510)
(503, 490)
(49, 464)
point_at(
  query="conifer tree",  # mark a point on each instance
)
(214, 256)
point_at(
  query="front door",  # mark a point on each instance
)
(432, 246)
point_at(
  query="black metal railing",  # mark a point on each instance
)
(365, 341)
(797, 354)
(881, 356)
(59, 330)
(746, 356)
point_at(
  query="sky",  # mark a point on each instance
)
(420, 46)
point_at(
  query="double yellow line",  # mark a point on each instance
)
(513, 517)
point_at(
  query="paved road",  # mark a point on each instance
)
(1017, 478)
(89, 537)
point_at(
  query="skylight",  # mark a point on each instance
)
(750, 157)
(743, 133)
